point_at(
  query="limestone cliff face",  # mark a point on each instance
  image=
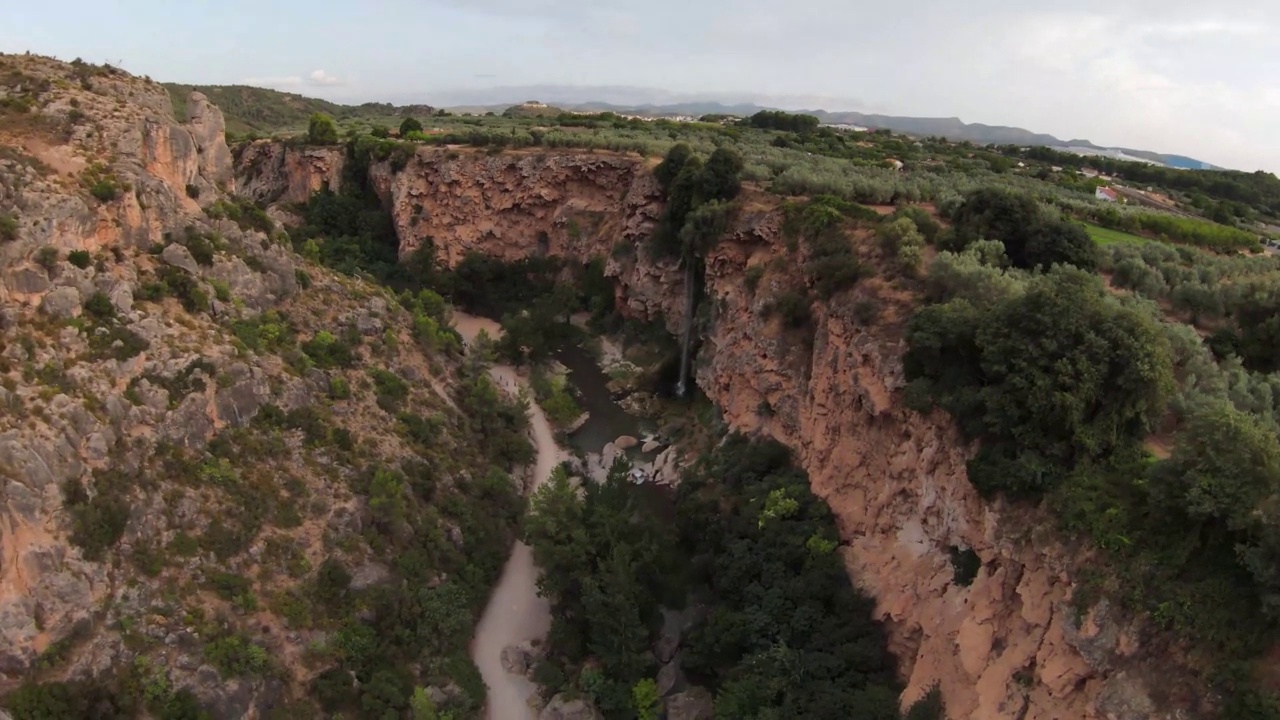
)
(132, 474)
(1007, 646)
(268, 171)
(519, 204)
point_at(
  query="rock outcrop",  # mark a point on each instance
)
(1008, 644)
(274, 172)
(176, 461)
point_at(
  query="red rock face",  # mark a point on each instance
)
(1009, 644)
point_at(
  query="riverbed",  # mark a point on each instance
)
(516, 613)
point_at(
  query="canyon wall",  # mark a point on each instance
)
(1010, 644)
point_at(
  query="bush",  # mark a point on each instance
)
(179, 284)
(793, 307)
(331, 351)
(321, 130)
(80, 258)
(99, 307)
(244, 213)
(47, 257)
(97, 523)
(235, 656)
(8, 227)
(409, 125)
(193, 191)
(902, 240)
(1032, 237)
(104, 190)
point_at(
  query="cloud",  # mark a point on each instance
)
(320, 77)
(273, 82)
(1203, 28)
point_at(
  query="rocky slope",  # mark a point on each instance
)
(1010, 643)
(193, 420)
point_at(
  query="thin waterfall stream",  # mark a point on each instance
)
(686, 339)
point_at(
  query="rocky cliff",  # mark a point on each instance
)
(1010, 643)
(191, 415)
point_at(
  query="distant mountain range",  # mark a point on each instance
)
(252, 109)
(643, 101)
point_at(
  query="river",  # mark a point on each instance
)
(515, 613)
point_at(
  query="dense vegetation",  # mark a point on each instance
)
(1065, 382)
(781, 632)
(1032, 236)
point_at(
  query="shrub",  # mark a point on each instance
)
(271, 331)
(200, 245)
(792, 307)
(752, 278)
(390, 389)
(409, 125)
(236, 656)
(104, 190)
(193, 191)
(179, 284)
(904, 242)
(97, 523)
(99, 307)
(102, 182)
(221, 290)
(243, 213)
(80, 258)
(117, 343)
(47, 257)
(330, 351)
(8, 227)
(321, 130)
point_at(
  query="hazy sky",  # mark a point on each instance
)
(1196, 78)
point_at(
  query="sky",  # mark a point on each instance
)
(1175, 76)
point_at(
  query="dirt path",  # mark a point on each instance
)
(515, 613)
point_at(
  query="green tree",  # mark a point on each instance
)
(321, 130)
(721, 176)
(1055, 375)
(409, 125)
(387, 497)
(644, 699)
(1224, 477)
(672, 164)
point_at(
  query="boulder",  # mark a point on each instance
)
(693, 704)
(368, 575)
(29, 280)
(62, 303)
(180, 257)
(517, 659)
(671, 678)
(577, 424)
(121, 297)
(650, 446)
(626, 442)
(1124, 697)
(561, 708)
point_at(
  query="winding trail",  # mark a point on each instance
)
(515, 613)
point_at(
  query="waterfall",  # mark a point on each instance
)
(682, 386)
